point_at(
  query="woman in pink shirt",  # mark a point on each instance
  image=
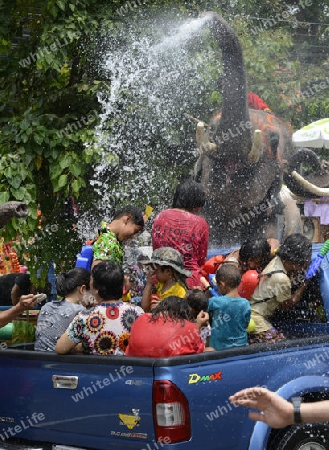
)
(181, 227)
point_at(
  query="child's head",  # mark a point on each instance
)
(173, 308)
(189, 195)
(68, 282)
(127, 222)
(254, 255)
(227, 277)
(107, 280)
(168, 264)
(197, 300)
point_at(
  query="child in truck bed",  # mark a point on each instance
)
(167, 266)
(168, 331)
(198, 301)
(230, 314)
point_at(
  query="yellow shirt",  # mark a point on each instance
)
(177, 290)
(276, 288)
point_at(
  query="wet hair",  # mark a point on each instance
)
(108, 280)
(133, 211)
(229, 274)
(172, 308)
(197, 300)
(188, 195)
(258, 248)
(67, 282)
(296, 248)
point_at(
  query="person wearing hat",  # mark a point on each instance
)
(167, 266)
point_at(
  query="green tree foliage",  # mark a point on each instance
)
(55, 141)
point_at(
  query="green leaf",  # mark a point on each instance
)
(20, 193)
(8, 172)
(65, 162)
(15, 182)
(24, 125)
(4, 197)
(37, 138)
(62, 181)
(24, 138)
(75, 169)
(75, 187)
(61, 4)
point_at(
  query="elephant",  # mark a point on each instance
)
(244, 156)
(10, 210)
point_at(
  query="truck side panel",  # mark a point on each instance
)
(216, 423)
(110, 402)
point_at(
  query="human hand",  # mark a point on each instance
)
(155, 300)
(274, 410)
(204, 283)
(202, 319)
(28, 301)
(150, 272)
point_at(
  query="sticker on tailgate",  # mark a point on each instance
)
(196, 378)
(130, 420)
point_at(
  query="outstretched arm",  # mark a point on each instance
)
(25, 302)
(277, 412)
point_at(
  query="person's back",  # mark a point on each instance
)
(181, 228)
(105, 329)
(55, 316)
(53, 320)
(168, 331)
(230, 314)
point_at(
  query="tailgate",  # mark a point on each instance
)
(84, 401)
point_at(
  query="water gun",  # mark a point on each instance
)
(85, 257)
(316, 262)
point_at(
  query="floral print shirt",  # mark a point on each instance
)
(107, 247)
(105, 329)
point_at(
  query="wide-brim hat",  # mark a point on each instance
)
(167, 256)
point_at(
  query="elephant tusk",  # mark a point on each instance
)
(194, 119)
(202, 139)
(257, 148)
(321, 192)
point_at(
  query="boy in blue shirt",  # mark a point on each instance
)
(230, 313)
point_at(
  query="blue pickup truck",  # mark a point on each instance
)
(89, 402)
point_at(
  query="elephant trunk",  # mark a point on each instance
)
(235, 118)
(12, 209)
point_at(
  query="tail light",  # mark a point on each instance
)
(171, 413)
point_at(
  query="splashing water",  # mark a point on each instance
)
(152, 83)
(185, 32)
